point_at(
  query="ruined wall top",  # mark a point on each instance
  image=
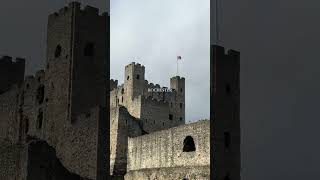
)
(9, 59)
(219, 50)
(76, 6)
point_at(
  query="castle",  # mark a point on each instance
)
(55, 124)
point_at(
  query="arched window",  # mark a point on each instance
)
(89, 49)
(188, 144)
(57, 52)
(122, 91)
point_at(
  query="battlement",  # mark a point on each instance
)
(154, 101)
(114, 81)
(177, 78)
(9, 59)
(113, 84)
(219, 50)
(135, 65)
(76, 6)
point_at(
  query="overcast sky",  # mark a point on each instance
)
(280, 60)
(153, 33)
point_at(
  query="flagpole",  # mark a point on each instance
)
(177, 67)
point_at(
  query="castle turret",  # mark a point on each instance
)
(177, 104)
(134, 82)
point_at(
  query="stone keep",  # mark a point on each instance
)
(52, 121)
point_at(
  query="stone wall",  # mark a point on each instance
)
(78, 150)
(43, 164)
(154, 114)
(165, 148)
(10, 115)
(13, 160)
(172, 173)
(34, 104)
(123, 125)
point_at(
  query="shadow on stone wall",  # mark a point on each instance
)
(44, 165)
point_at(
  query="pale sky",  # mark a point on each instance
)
(153, 33)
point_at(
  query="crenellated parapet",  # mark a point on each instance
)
(113, 84)
(9, 59)
(11, 72)
(219, 51)
(154, 101)
(76, 7)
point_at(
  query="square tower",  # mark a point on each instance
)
(77, 55)
(226, 113)
(177, 104)
(134, 82)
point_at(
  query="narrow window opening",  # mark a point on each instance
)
(180, 118)
(138, 76)
(170, 116)
(228, 89)
(181, 90)
(180, 105)
(227, 140)
(40, 94)
(163, 124)
(26, 130)
(121, 99)
(128, 77)
(122, 91)
(89, 50)
(188, 144)
(40, 119)
(57, 52)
